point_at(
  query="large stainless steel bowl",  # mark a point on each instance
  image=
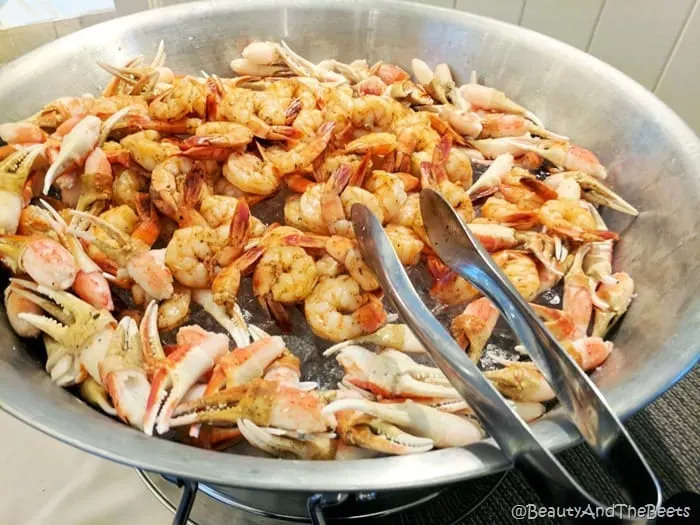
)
(653, 160)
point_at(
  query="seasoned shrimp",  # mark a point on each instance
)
(337, 310)
(250, 174)
(520, 270)
(176, 187)
(190, 255)
(348, 253)
(448, 287)
(407, 244)
(507, 214)
(572, 219)
(128, 185)
(284, 275)
(390, 192)
(220, 134)
(186, 97)
(147, 149)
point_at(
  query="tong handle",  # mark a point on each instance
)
(581, 399)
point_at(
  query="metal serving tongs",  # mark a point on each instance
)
(462, 252)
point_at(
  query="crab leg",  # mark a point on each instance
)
(175, 376)
(445, 430)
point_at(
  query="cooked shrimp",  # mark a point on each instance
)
(520, 188)
(337, 310)
(572, 219)
(170, 181)
(390, 192)
(250, 174)
(327, 266)
(285, 274)
(507, 214)
(448, 287)
(433, 175)
(128, 185)
(190, 255)
(353, 195)
(220, 134)
(459, 166)
(520, 270)
(186, 97)
(147, 149)
(348, 253)
(407, 244)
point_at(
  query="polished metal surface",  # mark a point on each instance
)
(652, 157)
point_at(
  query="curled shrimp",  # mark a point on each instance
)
(337, 310)
(407, 244)
(284, 275)
(521, 270)
(147, 149)
(390, 192)
(448, 287)
(186, 97)
(348, 253)
(190, 255)
(572, 219)
(508, 214)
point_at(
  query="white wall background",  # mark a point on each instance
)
(656, 42)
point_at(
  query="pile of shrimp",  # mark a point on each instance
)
(120, 212)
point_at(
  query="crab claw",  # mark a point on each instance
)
(596, 192)
(235, 324)
(282, 446)
(267, 403)
(95, 394)
(521, 381)
(563, 154)
(174, 377)
(304, 68)
(77, 327)
(14, 171)
(368, 432)
(62, 365)
(444, 429)
(123, 374)
(245, 364)
(392, 374)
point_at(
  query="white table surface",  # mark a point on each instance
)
(43, 481)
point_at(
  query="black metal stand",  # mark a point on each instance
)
(189, 493)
